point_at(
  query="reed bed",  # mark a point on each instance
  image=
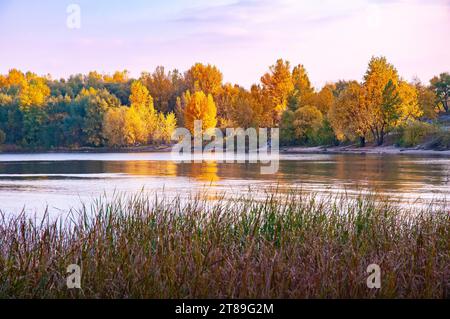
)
(298, 246)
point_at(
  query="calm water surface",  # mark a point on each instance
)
(62, 181)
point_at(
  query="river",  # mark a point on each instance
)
(62, 181)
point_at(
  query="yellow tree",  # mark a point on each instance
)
(15, 78)
(381, 97)
(277, 85)
(142, 103)
(324, 99)
(166, 126)
(428, 102)
(349, 116)
(303, 89)
(206, 78)
(113, 126)
(409, 107)
(135, 129)
(200, 107)
(33, 89)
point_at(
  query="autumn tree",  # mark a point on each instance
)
(441, 86)
(389, 100)
(113, 126)
(324, 99)
(165, 127)
(225, 101)
(428, 102)
(409, 108)
(303, 90)
(142, 103)
(349, 115)
(135, 129)
(205, 78)
(182, 102)
(200, 107)
(34, 91)
(277, 85)
(243, 112)
(163, 87)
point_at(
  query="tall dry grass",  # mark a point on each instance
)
(296, 247)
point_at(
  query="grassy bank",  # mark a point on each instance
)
(299, 247)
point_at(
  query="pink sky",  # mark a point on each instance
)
(333, 39)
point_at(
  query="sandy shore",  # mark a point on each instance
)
(389, 150)
(134, 149)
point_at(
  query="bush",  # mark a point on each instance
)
(2, 137)
(287, 130)
(325, 135)
(415, 133)
(440, 142)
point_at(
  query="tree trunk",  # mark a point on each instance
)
(362, 141)
(380, 139)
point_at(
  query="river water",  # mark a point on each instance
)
(62, 181)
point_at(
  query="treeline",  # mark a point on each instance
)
(114, 110)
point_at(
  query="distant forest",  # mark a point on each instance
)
(103, 110)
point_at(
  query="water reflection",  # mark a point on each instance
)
(60, 180)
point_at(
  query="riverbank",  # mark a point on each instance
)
(369, 150)
(13, 149)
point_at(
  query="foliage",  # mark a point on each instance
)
(307, 122)
(287, 129)
(415, 133)
(81, 111)
(428, 102)
(164, 88)
(205, 78)
(113, 127)
(200, 107)
(277, 85)
(2, 137)
(441, 86)
(381, 97)
(349, 114)
(303, 91)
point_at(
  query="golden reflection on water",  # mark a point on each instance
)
(395, 176)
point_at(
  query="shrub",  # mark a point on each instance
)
(2, 137)
(415, 133)
(441, 141)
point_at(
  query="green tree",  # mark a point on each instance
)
(287, 128)
(308, 121)
(441, 86)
